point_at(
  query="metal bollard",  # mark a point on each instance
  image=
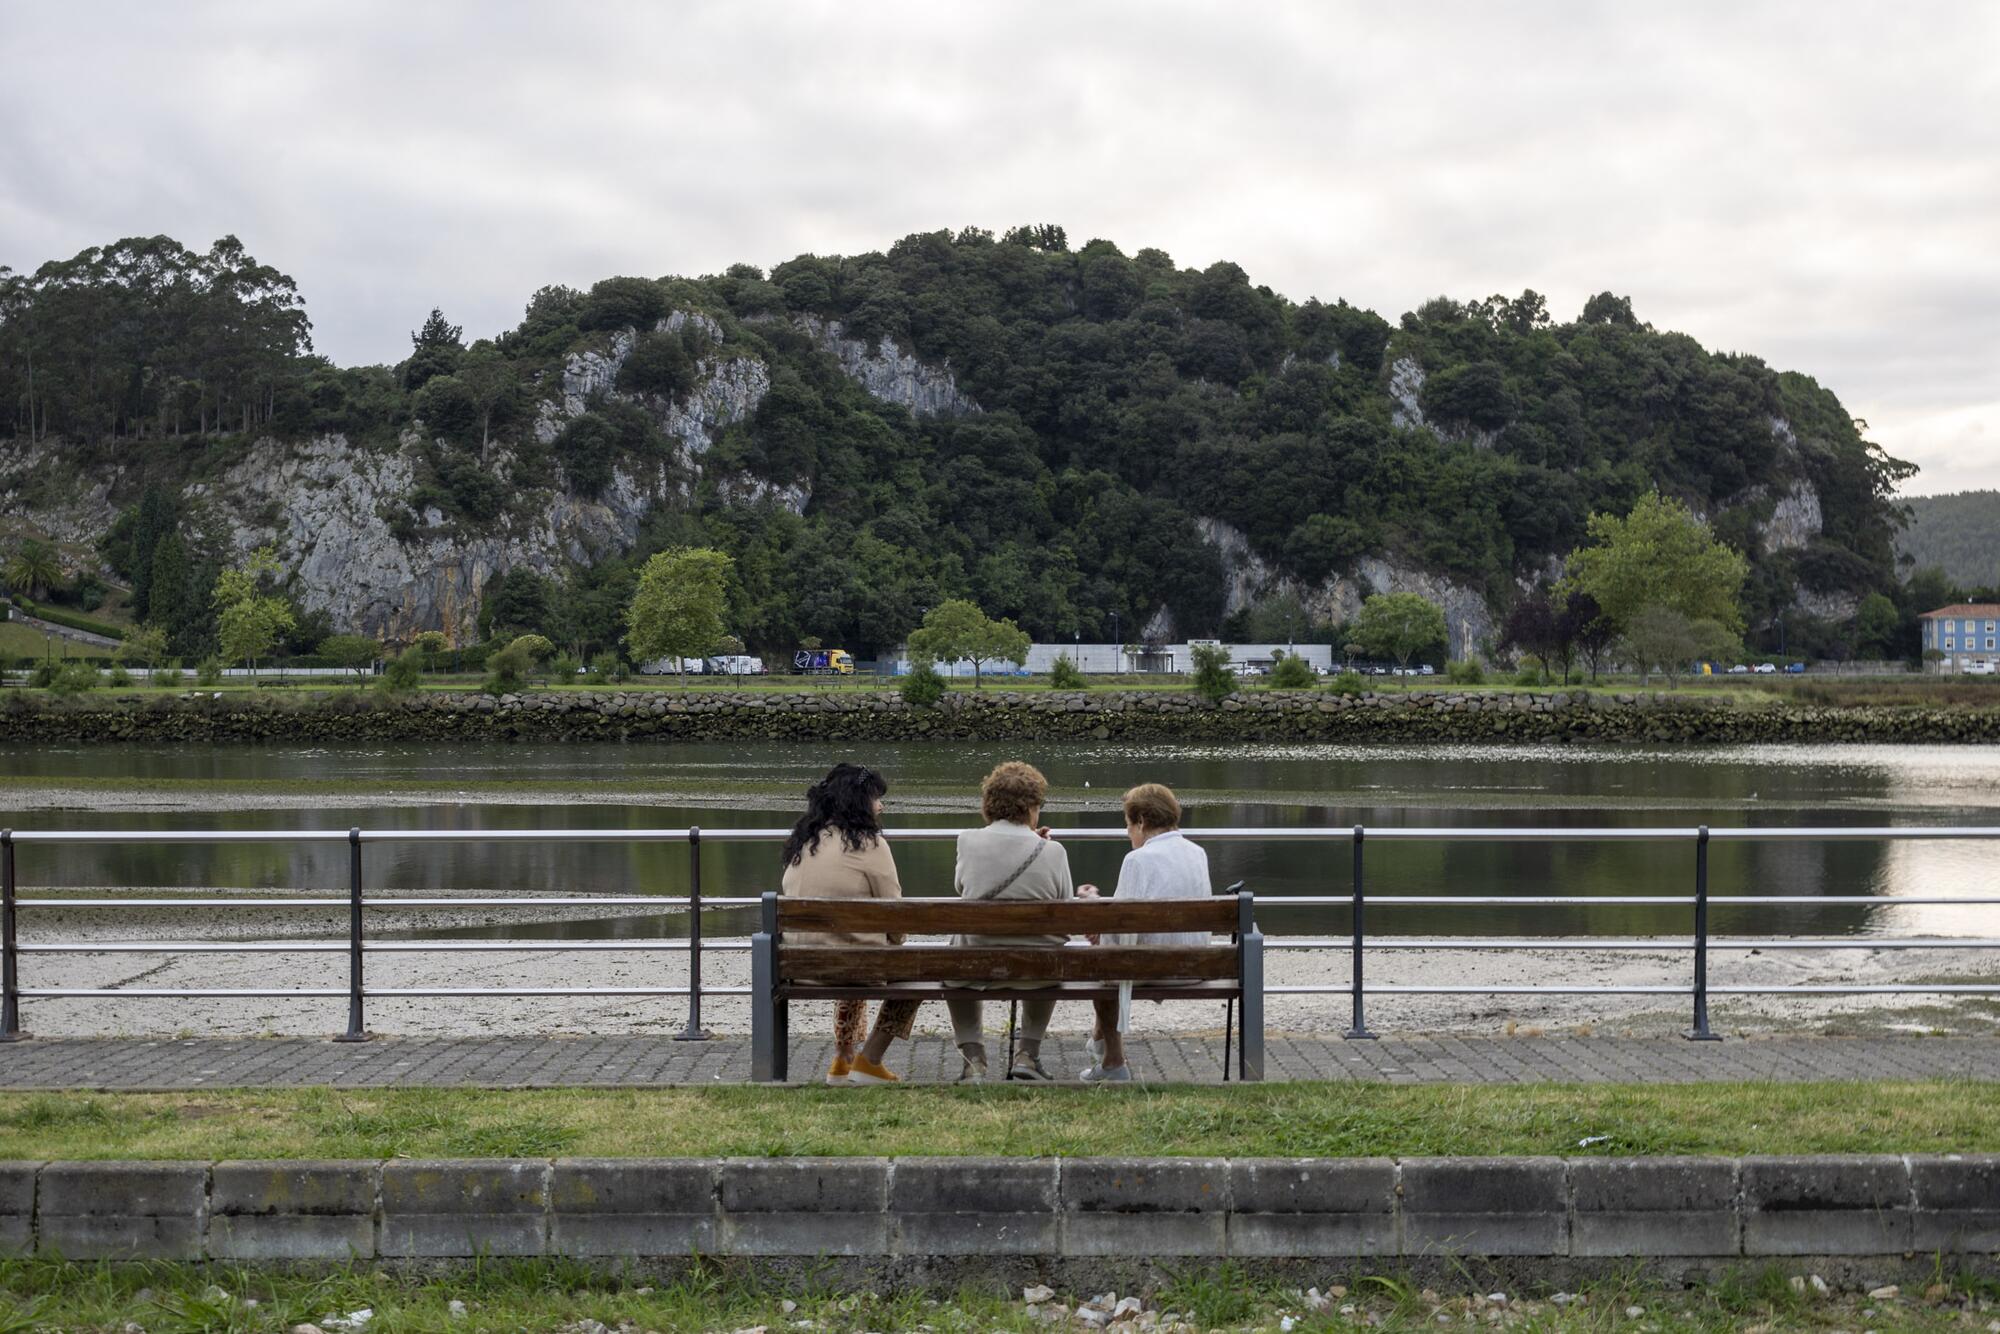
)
(1359, 1029)
(694, 1032)
(355, 1030)
(10, 952)
(1700, 1032)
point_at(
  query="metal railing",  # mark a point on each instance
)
(357, 947)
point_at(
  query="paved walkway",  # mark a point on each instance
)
(548, 1062)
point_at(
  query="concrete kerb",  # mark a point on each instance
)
(1857, 1214)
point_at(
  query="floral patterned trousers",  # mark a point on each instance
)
(850, 1020)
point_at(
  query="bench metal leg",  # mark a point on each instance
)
(766, 1044)
(1251, 1067)
(783, 1044)
(1228, 1034)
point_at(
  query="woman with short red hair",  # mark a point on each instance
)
(1012, 859)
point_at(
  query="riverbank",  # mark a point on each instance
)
(883, 716)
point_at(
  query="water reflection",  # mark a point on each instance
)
(611, 786)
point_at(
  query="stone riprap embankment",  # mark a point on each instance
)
(1018, 1215)
(994, 715)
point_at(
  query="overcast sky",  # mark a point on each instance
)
(1817, 182)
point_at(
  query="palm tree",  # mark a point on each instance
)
(33, 570)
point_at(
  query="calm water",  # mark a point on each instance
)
(614, 786)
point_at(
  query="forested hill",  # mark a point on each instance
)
(1958, 533)
(1090, 441)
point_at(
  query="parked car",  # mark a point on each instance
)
(1739, 670)
(1425, 670)
(1795, 668)
(1765, 669)
(1980, 668)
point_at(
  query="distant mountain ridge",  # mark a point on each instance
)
(1958, 533)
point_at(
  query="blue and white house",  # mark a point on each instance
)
(1966, 635)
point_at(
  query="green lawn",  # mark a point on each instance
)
(1274, 1120)
(680, 1295)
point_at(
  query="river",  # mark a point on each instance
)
(482, 787)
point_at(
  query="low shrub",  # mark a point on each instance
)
(1214, 679)
(562, 667)
(73, 678)
(118, 678)
(403, 672)
(1529, 676)
(1348, 683)
(1292, 672)
(56, 615)
(1065, 675)
(167, 674)
(43, 676)
(209, 672)
(608, 667)
(1466, 672)
(923, 687)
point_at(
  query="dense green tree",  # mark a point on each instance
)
(958, 631)
(1210, 672)
(677, 608)
(249, 619)
(1399, 626)
(1659, 555)
(622, 303)
(354, 652)
(658, 364)
(435, 350)
(520, 601)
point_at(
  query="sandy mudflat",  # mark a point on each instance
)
(725, 967)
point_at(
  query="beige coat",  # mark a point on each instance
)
(988, 856)
(829, 870)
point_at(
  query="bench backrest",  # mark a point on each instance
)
(839, 965)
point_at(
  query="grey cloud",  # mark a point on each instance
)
(1813, 183)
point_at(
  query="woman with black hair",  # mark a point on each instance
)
(838, 851)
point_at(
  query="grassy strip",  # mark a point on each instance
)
(563, 1295)
(1276, 1120)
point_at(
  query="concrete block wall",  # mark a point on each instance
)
(930, 1209)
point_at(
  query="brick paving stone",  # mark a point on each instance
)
(539, 1062)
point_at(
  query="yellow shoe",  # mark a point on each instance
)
(837, 1072)
(867, 1072)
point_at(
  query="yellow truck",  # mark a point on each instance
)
(823, 662)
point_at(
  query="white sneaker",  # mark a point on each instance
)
(1097, 1074)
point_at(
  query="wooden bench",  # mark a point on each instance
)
(782, 973)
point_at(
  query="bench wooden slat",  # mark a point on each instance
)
(1070, 916)
(1062, 991)
(863, 965)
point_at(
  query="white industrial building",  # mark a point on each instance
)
(1127, 659)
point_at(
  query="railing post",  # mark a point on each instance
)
(1700, 1032)
(694, 1032)
(10, 952)
(356, 1032)
(1359, 1029)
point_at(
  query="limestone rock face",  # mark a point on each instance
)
(64, 503)
(1796, 520)
(1468, 619)
(889, 373)
(1406, 382)
(727, 389)
(321, 504)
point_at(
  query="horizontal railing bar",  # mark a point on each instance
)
(1396, 833)
(180, 903)
(1630, 943)
(524, 946)
(156, 993)
(548, 991)
(186, 947)
(1864, 989)
(1499, 990)
(666, 903)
